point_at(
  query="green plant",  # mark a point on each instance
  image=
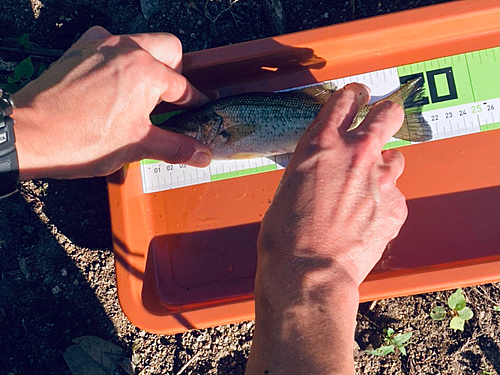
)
(496, 308)
(458, 310)
(24, 72)
(392, 341)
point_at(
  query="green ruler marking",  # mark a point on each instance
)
(459, 79)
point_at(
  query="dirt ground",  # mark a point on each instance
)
(56, 262)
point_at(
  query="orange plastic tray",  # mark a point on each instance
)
(185, 258)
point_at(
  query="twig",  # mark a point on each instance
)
(372, 306)
(32, 346)
(369, 320)
(188, 363)
(33, 50)
(231, 3)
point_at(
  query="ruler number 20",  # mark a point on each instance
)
(430, 76)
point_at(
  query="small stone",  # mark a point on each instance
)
(193, 35)
(182, 32)
(325, 15)
(142, 333)
(56, 289)
(75, 282)
(199, 23)
(64, 272)
(136, 358)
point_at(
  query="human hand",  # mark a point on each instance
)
(333, 214)
(88, 114)
(337, 206)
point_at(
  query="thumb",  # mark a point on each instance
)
(175, 148)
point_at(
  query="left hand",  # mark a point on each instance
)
(88, 114)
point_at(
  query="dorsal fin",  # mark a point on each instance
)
(320, 92)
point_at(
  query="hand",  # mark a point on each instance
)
(89, 113)
(335, 210)
(337, 200)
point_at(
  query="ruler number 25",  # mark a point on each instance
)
(478, 108)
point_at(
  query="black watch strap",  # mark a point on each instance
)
(9, 167)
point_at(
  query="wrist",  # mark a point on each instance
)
(28, 144)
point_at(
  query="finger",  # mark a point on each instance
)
(381, 123)
(178, 90)
(164, 47)
(92, 34)
(175, 148)
(394, 164)
(344, 104)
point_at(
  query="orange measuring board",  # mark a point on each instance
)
(185, 251)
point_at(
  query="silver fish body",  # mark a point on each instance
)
(263, 124)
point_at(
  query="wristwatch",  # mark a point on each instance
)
(9, 166)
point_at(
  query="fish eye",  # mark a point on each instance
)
(225, 134)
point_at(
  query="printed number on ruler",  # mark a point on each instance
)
(462, 97)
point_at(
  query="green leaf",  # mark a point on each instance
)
(23, 71)
(465, 313)
(389, 332)
(24, 41)
(383, 350)
(496, 308)
(438, 313)
(457, 323)
(402, 349)
(457, 300)
(400, 339)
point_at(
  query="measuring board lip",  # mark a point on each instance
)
(443, 77)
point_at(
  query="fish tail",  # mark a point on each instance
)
(409, 96)
(415, 127)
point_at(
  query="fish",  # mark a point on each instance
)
(263, 124)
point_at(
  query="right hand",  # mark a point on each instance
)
(337, 206)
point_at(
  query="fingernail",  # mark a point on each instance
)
(200, 159)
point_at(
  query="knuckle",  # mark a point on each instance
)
(323, 139)
(177, 88)
(175, 45)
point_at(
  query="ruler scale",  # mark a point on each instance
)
(462, 97)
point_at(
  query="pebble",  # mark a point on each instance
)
(64, 272)
(325, 15)
(182, 32)
(56, 289)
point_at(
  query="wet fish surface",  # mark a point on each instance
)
(271, 123)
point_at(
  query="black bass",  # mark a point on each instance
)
(265, 124)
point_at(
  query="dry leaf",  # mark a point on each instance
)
(94, 355)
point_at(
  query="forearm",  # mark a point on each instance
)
(304, 326)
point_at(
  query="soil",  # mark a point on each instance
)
(57, 277)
